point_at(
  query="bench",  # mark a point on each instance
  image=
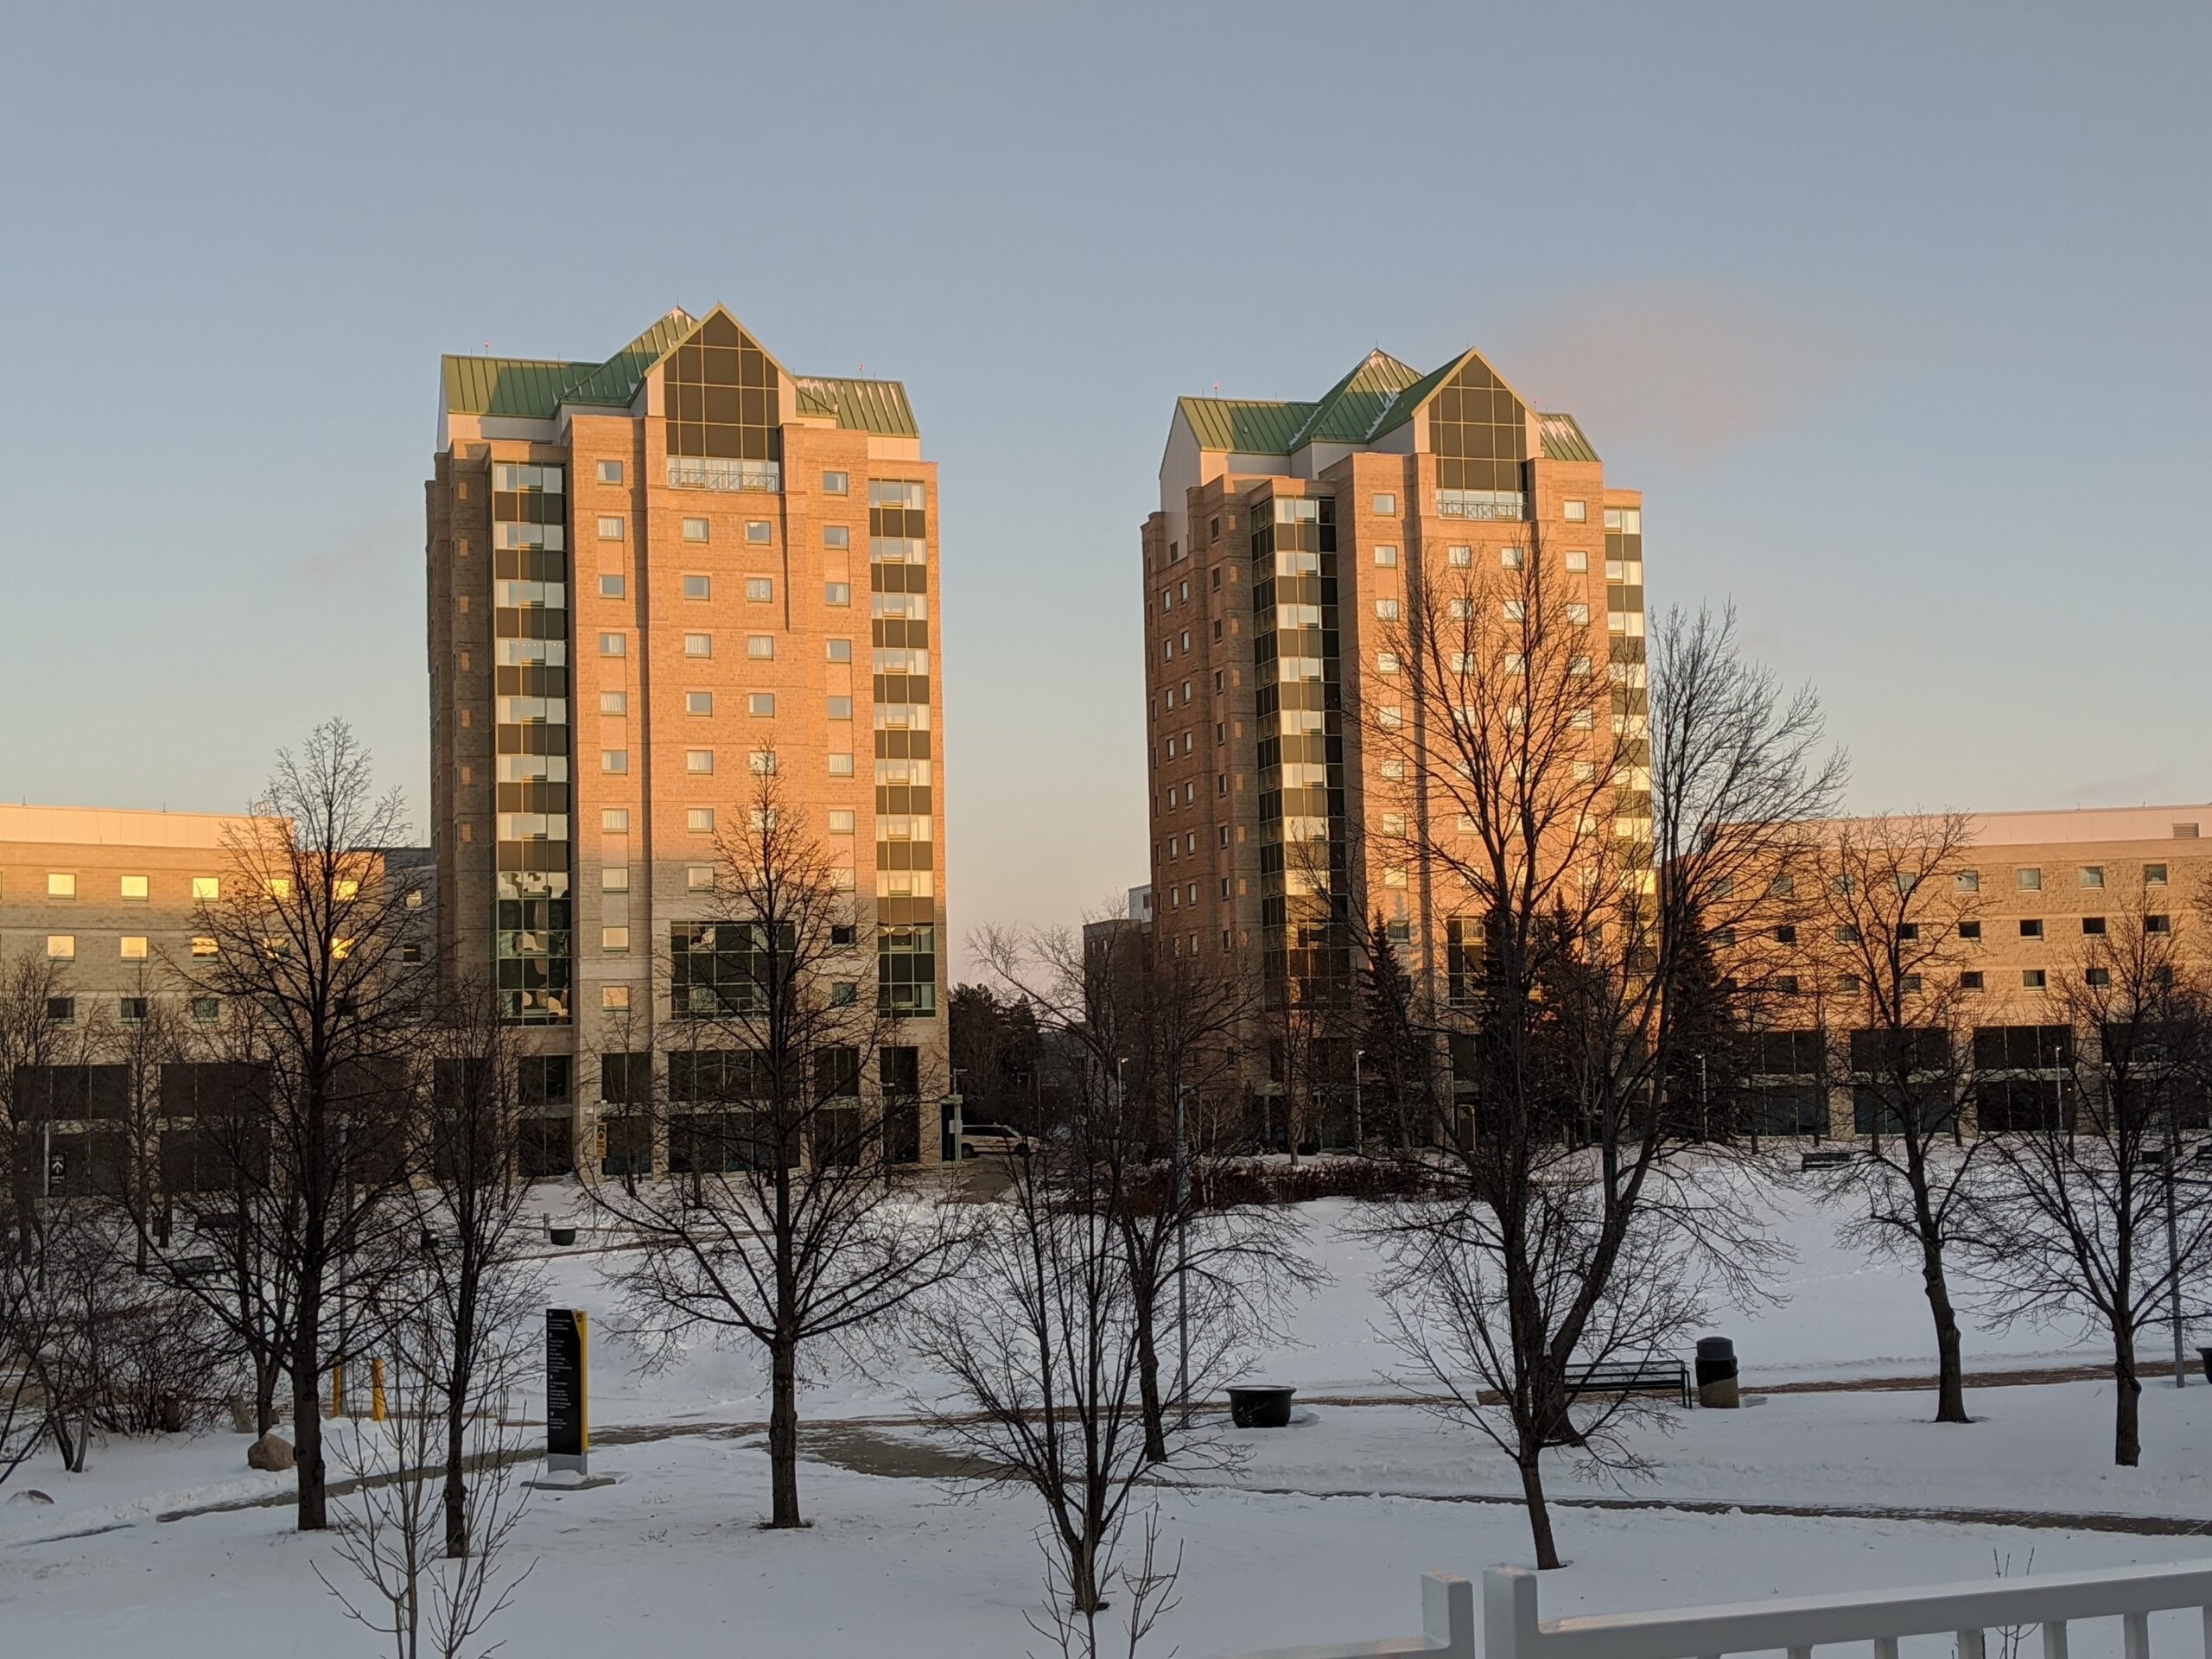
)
(1833, 1160)
(1653, 1376)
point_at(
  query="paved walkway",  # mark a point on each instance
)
(860, 1445)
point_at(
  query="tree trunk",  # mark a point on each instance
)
(266, 1373)
(307, 1412)
(1539, 1515)
(456, 1494)
(2126, 1436)
(783, 1435)
(1155, 1430)
(460, 1384)
(1950, 1374)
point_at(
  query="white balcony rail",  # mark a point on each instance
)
(1966, 1613)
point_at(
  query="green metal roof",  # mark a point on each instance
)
(507, 385)
(1349, 409)
(615, 382)
(1563, 439)
(877, 406)
(1249, 425)
(535, 390)
(1402, 407)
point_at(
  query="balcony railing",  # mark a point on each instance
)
(1964, 1614)
(712, 473)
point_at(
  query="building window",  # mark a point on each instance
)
(1970, 981)
(762, 763)
(1386, 555)
(205, 1010)
(761, 704)
(758, 530)
(835, 484)
(1577, 614)
(841, 651)
(2031, 928)
(2031, 979)
(1576, 512)
(614, 941)
(61, 884)
(836, 536)
(206, 889)
(134, 889)
(610, 527)
(613, 644)
(615, 761)
(2097, 976)
(610, 472)
(613, 587)
(905, 970)
(2154, 875)
(2158, 924)
(1460, 558)
(2029, 880)
(2092, 926)
(698, 644)
(698, 586)
(699, 820)
(1969, 930)
(62, 947)
(614, 878)
(2093, 875)
(61, 1010)
(1967, 882)
(1578, 562)
(134, 947)
(698, 702)
(1386, 610)
(614, 702)
(699, 762)
(836, 593)
(1512, 558)
(760, 590)
(614, 997)
(1386, 662)
(203, 946)
(841, 765)
(1386, 504)
(699, 878)
(615, 820)
(841, 822)
(695, 530)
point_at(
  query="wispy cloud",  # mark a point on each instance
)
(1686, 368)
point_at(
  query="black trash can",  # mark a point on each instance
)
(2205, 1354)
(1259, 1405)
(1717, 1387)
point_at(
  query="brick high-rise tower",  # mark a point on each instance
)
(649, 578)
(1276, 575)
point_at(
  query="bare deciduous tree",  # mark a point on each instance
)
(1893, 894)
(469, 1214)
(422, 1597)
(323, 1008)
(2082, 1215)
(1041, 1342)
(791, 1220)
(1156, 1043)
(1584, 831)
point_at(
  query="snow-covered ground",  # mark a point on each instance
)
(1839, 1314)
(1321, 1534)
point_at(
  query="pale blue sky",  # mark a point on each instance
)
(1897, 315)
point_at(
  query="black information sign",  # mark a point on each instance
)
(567, 1427)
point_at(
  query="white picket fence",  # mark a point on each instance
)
(1967, 1614)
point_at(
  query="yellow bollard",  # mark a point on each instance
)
(376, 1390)
(337, 1389)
